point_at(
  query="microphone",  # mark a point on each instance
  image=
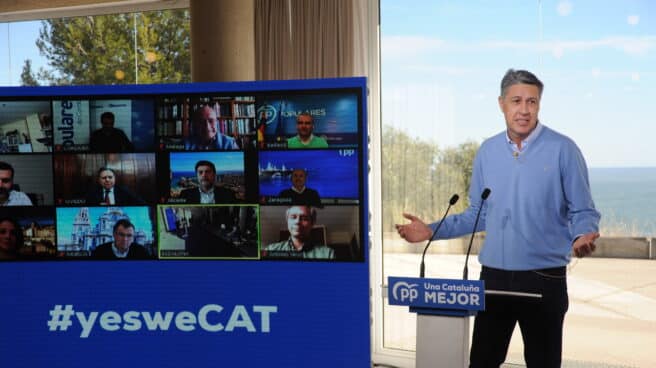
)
(452, 201)
(484, 195)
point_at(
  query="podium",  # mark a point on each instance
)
(443, 308)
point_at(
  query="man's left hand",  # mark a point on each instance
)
(584, 245)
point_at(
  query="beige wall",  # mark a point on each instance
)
(222, 40)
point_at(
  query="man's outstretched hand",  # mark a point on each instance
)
(584, 245)
(415, 231)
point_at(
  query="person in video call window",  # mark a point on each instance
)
(299, 193)
(205, 134)
(9, 196)
(304, 137)
(108, 138)
(11, 238)
(107, 193)
(123, 246)
(207, 190)
(300, 220)
(540, 212)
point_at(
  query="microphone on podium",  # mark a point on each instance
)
(484, 195)
(452, 201)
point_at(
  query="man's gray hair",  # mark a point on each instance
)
(513, 77)
(313, 212)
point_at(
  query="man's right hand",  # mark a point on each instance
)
(415, 231)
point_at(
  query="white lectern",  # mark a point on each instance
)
(443, 308)
(442, 340)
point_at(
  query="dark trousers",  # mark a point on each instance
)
(540, 320)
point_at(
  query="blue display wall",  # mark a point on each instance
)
(60, 307)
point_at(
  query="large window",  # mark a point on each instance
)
(441, 66)
(128, 48)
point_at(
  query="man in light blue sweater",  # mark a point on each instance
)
(539, 212)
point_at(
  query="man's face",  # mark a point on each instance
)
(106, 179)
(123, 237)
(304, 126)
(107, 122)
(299, 222)
(298, 179)
(206, 126)
(206, 177)
(520, 107)
(6, 182)
(7, 236)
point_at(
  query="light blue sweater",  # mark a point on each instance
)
(540, 202)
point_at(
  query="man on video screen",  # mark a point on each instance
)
(205, 133)
(299, 193)
(11, 238)
(304, 137)
(8, 195)
(107, 193)
(300, 220)
(108, 138)
(207, 191)
(123, 246)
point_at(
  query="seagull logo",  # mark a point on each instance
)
(403, 290)
(270, 113)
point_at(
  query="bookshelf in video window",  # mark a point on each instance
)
(235, 116)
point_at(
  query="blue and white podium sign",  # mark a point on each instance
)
(441, 296)
(443, 307)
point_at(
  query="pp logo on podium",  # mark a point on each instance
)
(405, 292)
(437, 293)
